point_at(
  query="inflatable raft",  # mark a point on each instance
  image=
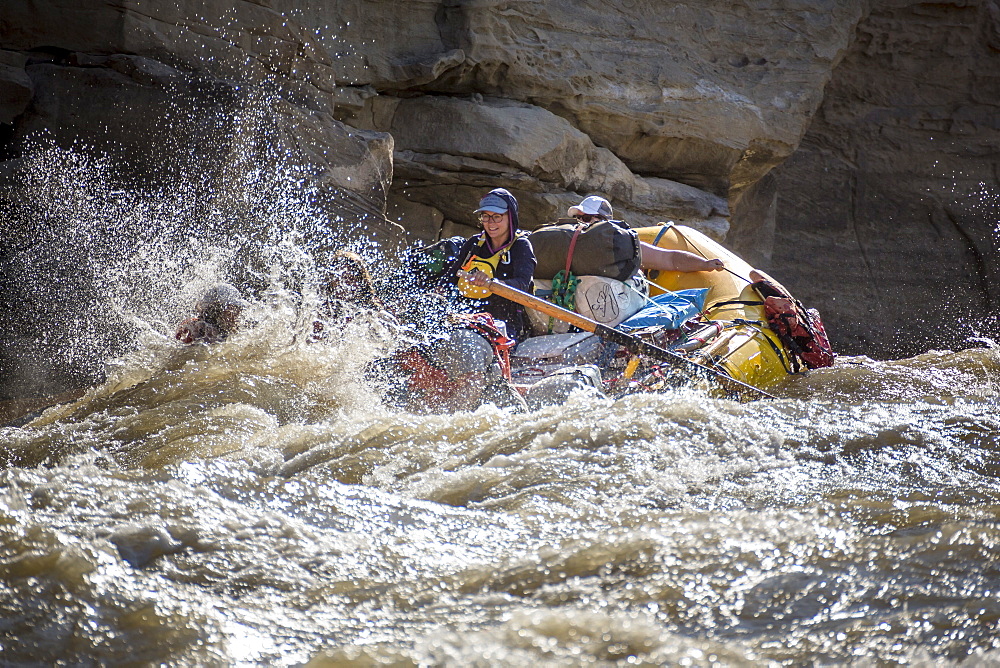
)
(742, 346)
(600, 323)
(726, 330)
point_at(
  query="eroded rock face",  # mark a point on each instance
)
(712, 96)
(893, 197)
(448, 146)
(16, 88)
(672, 89)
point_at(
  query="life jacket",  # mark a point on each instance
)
(799, 328)
(488, 265)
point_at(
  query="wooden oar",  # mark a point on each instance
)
(633, 344)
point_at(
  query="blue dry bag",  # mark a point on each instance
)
(668, 310)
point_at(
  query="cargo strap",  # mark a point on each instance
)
(737, 302)
(564, 283)
(572, 244)
(654, 274)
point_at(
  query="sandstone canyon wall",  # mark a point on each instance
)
(895, 190)
(832, 143)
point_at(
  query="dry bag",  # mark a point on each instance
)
(606, 248)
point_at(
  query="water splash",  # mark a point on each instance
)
(95, 263)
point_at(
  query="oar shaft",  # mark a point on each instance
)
(742, 278)
(631, 343)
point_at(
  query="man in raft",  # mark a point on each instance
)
(216, 317)
(593, 209)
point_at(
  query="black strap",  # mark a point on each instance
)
(734, 302)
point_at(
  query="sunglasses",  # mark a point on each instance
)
(586, 217)
(491, 217)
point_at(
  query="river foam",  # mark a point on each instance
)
(230, 505)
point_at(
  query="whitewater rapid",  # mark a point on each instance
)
(253, 503)
(256, 503)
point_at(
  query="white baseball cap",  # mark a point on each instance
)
(593, 206)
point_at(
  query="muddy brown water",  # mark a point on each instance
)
(253, 503)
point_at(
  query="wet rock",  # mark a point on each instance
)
(445, 144)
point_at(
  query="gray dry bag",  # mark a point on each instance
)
(605, 248)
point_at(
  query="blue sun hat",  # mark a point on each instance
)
(493, 203)
(499, 200)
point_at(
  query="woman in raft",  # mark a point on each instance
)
(500, 252)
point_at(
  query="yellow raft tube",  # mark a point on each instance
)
(746, 348)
